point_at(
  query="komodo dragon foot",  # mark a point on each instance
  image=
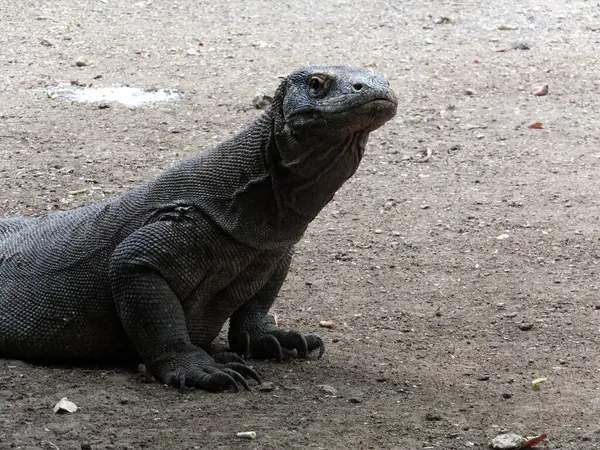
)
(193, 367)
(268, 341)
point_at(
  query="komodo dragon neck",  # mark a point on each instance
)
(246, 187)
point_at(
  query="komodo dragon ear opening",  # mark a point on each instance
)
(277, 112)
(280, 91)
(278, 97)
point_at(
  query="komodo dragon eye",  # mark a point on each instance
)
(318, 84)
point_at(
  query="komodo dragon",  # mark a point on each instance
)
(157, 271)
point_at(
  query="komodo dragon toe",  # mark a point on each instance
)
(194, 368)
(276, 344)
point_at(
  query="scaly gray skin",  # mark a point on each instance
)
(157, 271)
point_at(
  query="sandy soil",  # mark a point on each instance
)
(454, 282)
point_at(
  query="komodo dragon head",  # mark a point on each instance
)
(335, 100)
(323, 111)
(322, 117)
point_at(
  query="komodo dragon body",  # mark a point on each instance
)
(157, 271)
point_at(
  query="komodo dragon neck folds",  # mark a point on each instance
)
(157, 271)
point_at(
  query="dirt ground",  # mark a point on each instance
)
(454, 281)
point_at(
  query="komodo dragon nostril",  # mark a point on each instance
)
(357, 87)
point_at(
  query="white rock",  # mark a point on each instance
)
(81, 62)
(65, 406)
(507, 441)
(246, 435)
(327, 389)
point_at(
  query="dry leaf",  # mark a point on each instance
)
(536, 126)
(534, 441)
(506, 28)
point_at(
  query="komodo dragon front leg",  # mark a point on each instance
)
(254, 333)
(146, 270)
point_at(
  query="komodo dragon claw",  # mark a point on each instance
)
(194, 368)
(227, 357)
(278, 345)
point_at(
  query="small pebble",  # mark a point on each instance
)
(327, 389)
(433, 416)
(326, 324)
(507, 441)
(525, 326)
(444, 20)
(483, 378)
(521, 46)
(266, 386)
(291, 387)
(247, 435)
(81, 62)
(86, 446)
(64, 405)
(355, 400)
(506, 395)
(540, 92)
